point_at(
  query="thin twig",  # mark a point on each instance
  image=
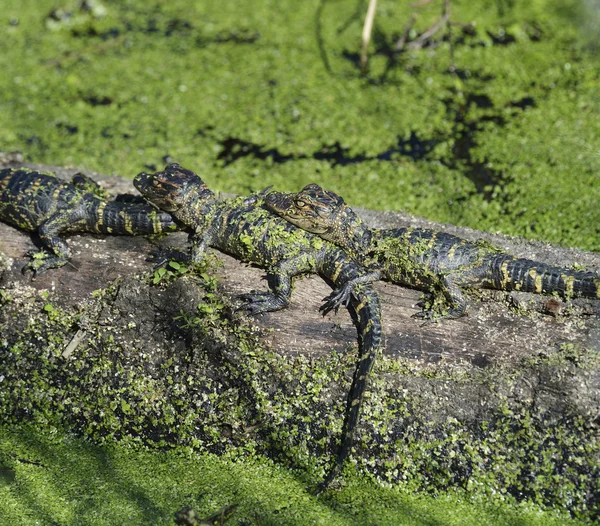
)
(405, 33)
(79, 335)
(366, 35)
(441, 23)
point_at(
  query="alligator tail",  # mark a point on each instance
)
(135, 219)
(366, 313)
(509, 273)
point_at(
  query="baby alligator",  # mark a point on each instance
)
(242, 228)
(42, 203)
(423, 259)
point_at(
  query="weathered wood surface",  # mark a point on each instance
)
(492, 333)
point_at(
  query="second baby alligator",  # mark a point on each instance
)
(247, 231)
(428, 260)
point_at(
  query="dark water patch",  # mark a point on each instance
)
(34, 140)
(152, 26)
(91, 31)
(524, 103)
(479, 100)
(71, 129)
(501, 37)
(352, 57)
(487, 181)
(241, 36)
(335, 154)
(466, 74)
(155, 24)
(205, 131)
(7, 476)
(59, 15)
(97, 100)
(177, 26)
(413, 147)
(234, 149)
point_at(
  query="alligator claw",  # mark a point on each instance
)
(253, 199)
(336, 299)
(161, 256)
(430, 316)
(261, 302)
(327, 307)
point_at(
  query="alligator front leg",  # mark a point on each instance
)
(200, 240)
(342, 295)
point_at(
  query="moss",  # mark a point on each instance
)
(200, 381)
(494, 128)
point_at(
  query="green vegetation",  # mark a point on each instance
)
(496, 128)
(154, 416)
(57, 479)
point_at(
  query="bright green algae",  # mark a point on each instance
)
(59, 479)
(496, 128)
(256, 93)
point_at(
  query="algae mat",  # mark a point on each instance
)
(493, 125)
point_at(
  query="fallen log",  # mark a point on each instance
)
(461, 384)
(500, 326)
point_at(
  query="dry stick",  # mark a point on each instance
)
(76, 340)
(366, 35)
(422, 40)
(402, 39)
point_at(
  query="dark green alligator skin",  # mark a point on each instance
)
(428, 260)
(244, 229)
(44, 204)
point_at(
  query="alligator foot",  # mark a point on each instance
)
(337, 298)
(260, 302)
(162, 255)
(42, 261)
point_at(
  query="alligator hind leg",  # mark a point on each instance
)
(87, 184)
(260, 302)
(455, 302)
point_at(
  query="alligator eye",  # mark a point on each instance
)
(300, 203)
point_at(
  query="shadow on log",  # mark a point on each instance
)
(449, 403)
